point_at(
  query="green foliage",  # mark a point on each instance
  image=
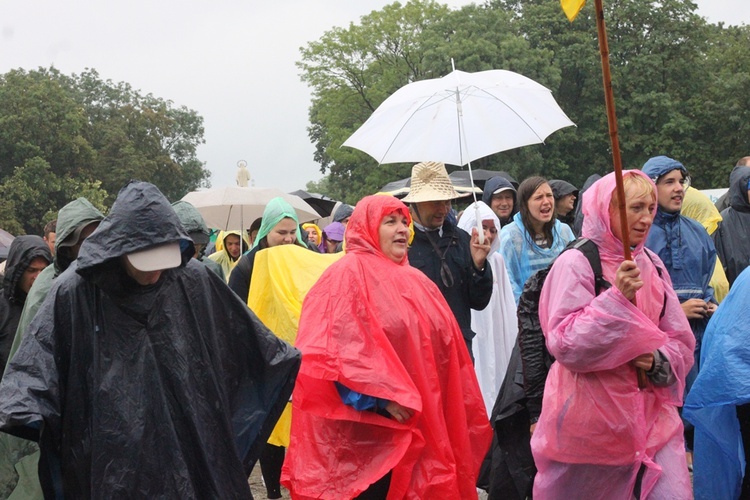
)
(30, 196)
(67, 136)
(681, 85)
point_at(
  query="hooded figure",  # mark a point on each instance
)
(333, 238)
(19, 462)
(164, 389)
(699, 207)
(495, 186)
(16, 285)
(599, 435)
(685, 248)
(730, 238)
(561, 189)
(223, 256)
(405, 347)
(343, 213)
(495, 325)
(196, 228)
(277, 210)
(719, 400)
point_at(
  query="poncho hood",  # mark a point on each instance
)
(140, 218)
(76, 215)
(738, 180)
(659, 165)
(562, 188)
(596, 223)
(342, 212)
(468, 221)
(22, 251)
(362, 232)
(276, 210)
(190, 218)
(495, 183)
(699, 207)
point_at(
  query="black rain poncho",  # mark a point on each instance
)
(731, 238)
(164, 391)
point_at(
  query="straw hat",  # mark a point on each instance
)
(430, 182)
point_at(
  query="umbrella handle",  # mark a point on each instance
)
(480, 229)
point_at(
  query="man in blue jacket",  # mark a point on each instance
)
(686, 250)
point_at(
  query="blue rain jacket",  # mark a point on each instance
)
(523, 257)
(723, 383)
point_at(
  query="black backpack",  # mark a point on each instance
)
(534, 355)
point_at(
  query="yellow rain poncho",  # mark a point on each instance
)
(221, 257)
(699, 207)
(282, 276)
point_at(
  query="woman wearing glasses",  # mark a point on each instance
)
(386, 402)
(535, 237)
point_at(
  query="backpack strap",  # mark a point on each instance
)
(589, 249)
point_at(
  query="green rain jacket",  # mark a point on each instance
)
(193, 222)
(19, 458)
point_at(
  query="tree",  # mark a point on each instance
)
(681, 84)
(31, 196)
(61, 136)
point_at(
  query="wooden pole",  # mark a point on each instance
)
(609, 99)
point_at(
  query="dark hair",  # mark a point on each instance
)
(50, 227)
(525, 191)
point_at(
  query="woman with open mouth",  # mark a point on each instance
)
(535, 237)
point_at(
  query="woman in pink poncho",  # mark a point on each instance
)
(599, 435)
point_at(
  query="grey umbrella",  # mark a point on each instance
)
(321, 203)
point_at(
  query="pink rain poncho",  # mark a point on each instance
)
(597, 428)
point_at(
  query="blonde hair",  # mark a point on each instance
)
(641, 187)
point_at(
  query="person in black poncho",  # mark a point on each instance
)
(142, 374)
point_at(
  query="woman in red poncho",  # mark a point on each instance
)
(386, 399)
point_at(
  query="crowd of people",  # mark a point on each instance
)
(404, 350)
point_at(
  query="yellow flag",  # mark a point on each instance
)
(572, 8)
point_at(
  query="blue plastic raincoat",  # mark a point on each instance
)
(523, 257)
(723, 384)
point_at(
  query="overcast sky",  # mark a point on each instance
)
(231, 61)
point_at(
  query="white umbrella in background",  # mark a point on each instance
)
(459, 118)
(233, 208)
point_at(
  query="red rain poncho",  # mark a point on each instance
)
(383, 329)
(596, 426)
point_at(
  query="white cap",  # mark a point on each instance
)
(504, 188)
(158, 258)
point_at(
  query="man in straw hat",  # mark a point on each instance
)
(455, 261)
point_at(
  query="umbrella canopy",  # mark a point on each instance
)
(481, 176)
(231, 208)
(459, 118)
(321, 203)
(5, 241)
(401, 187)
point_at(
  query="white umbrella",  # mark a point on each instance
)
(459, 118)
(231, 208)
